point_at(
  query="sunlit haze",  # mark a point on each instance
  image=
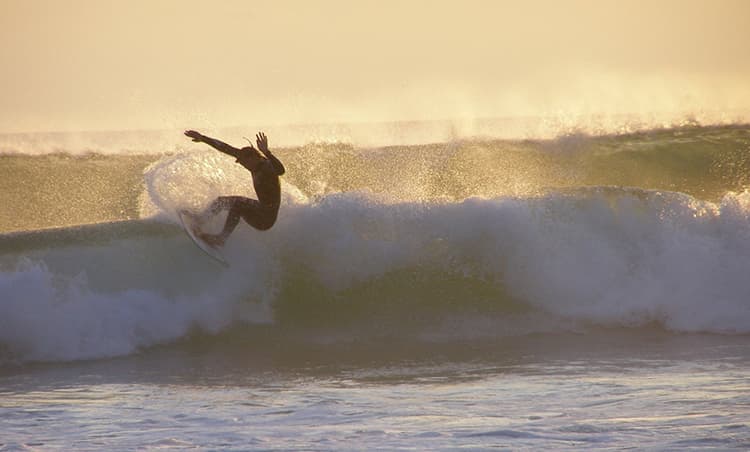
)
(115, 65)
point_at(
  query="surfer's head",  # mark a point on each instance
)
(250, 157)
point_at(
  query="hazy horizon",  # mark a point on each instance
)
(87, 65)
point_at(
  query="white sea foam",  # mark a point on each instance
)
(50, 314)
(609, 257)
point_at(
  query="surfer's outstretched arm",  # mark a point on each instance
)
(214, 143)
(262, 141)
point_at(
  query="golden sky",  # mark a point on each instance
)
(107, 64)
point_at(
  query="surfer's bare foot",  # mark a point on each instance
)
(216, 241)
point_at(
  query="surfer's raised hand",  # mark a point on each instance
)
(262, 141)
(197, 137)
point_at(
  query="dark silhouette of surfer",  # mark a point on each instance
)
(265, 169)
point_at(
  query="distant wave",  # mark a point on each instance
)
(367, 135)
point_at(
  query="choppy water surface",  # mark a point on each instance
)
(609, 389)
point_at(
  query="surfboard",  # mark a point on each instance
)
(190, 225)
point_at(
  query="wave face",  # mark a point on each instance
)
(445, 242)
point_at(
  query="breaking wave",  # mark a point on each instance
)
(354, 263)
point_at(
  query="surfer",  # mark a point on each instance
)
(265, 169)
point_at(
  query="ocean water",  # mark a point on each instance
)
(583, 290)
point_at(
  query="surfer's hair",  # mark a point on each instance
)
(254, 151)
(252, 148)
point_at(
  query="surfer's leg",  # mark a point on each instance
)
(239, 207)
(219, 204)
(233, 219)
(259, 217)
(251, 210)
